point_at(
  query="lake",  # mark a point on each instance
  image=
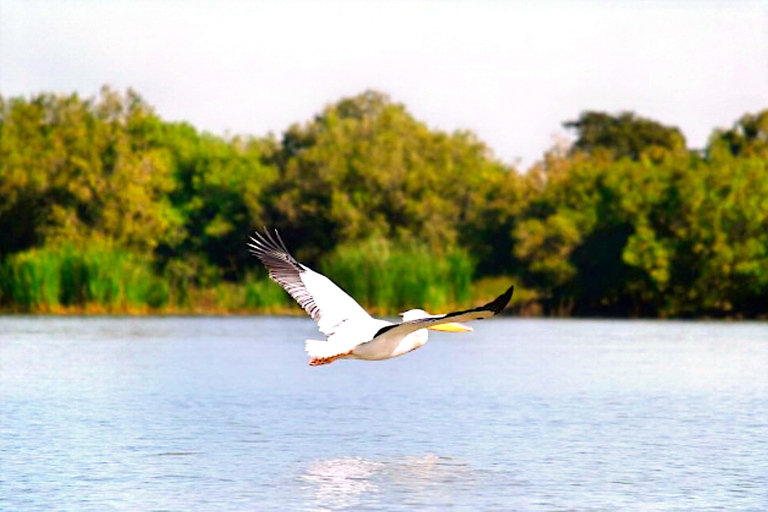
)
(223, 413)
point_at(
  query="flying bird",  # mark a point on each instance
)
(350, 331)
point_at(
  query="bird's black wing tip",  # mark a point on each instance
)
(273, 253)
(265, 241)
(498, 304)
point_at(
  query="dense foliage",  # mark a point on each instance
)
(106, 207)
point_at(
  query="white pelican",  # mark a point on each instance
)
(350, 331)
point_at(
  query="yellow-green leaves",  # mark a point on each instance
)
(626, 221)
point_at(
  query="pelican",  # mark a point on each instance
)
(350, 331)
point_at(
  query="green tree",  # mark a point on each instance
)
(72, 169)
(578, 235)
(720, 236)
(624, 135)
(365, 167)
(219, 195)
(748, 137)
(102, 202)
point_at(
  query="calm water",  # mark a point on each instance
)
(224, 414)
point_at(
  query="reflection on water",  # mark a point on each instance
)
(351, 482)
(338, 483)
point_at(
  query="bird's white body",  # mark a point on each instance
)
(351, 332)
(356, 339)
(386, 347)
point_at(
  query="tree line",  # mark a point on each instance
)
(104, 206)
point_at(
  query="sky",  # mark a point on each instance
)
(511, 71)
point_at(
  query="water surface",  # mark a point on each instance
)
(224, 414)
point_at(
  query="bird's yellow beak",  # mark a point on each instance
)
(452, 327)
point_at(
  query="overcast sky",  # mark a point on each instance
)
(510, 71)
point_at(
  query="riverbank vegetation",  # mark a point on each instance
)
(107, 208)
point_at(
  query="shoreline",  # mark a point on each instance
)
(291, 312)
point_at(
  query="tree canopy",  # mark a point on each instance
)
(624, 135)
(627, 222)
(365, 167)
(747, 137)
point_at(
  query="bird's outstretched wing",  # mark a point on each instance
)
(493, 308)
(326, 303)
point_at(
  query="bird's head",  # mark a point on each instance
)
(418, 314)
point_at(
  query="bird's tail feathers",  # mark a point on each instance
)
(323, 349)
(323, 352)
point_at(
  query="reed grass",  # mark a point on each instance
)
(383, 276)
(386, 276)
(55, 278)
(264, 295)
